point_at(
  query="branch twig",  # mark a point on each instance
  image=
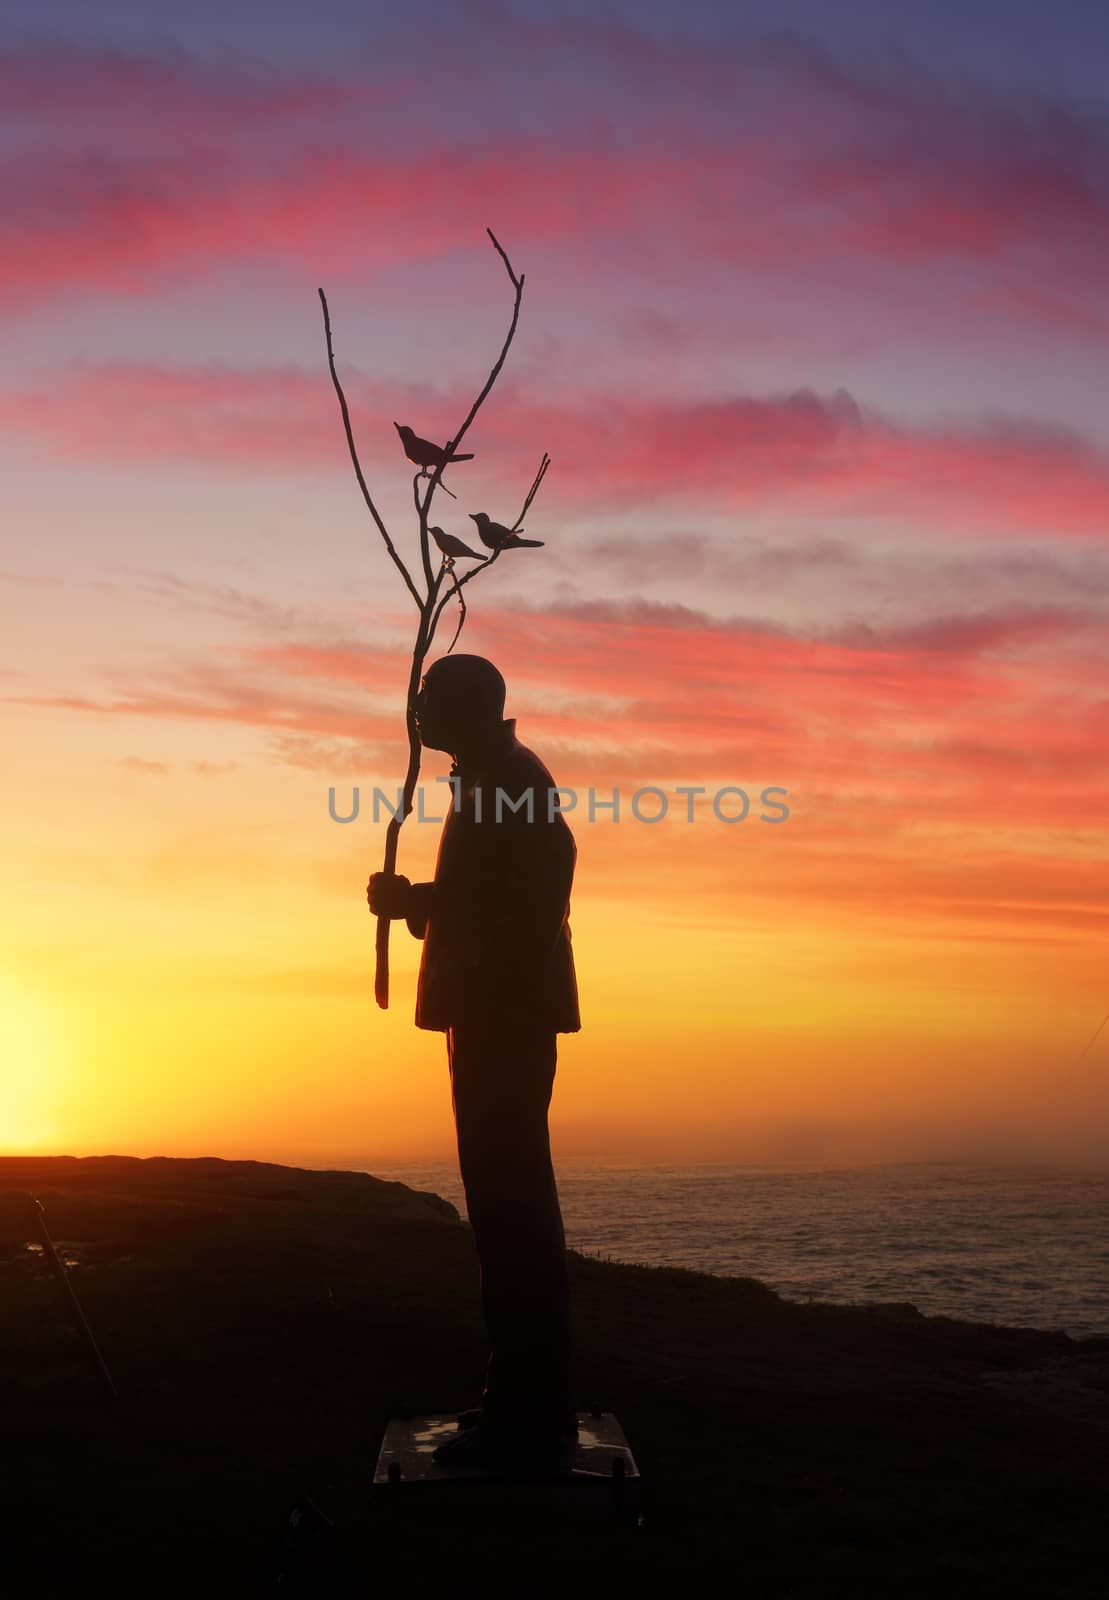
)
(461, 610)
(405, 574)
(456, 440)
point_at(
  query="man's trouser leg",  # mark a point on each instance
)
(501, 1084)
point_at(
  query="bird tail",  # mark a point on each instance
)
(532, 544)
(460, 458)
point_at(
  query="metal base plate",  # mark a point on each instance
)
(602, 1474)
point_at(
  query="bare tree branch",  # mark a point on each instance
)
(425, 551)
(413, 591)
(532, 492)
(431, 606)
(461, 611)
(453, 443)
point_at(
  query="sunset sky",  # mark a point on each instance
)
(816, 332)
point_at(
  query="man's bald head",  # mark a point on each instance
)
(461, 696)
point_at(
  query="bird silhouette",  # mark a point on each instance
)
(495, 536)
(452, 546)
(423, 453)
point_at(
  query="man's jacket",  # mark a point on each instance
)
(495, 920)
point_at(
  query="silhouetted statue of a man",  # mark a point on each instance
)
(497, 975)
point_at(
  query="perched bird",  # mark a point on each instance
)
(497, 537)
(423, 453)
(452, 546)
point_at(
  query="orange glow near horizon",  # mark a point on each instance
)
(213, 984)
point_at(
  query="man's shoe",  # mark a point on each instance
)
(469, 1418)
(483, 1448)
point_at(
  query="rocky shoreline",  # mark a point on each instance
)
(262, 1322)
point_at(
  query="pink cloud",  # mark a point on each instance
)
(907, 752)
(771, 156)
(118, 223)
(676, 681)
(820, 455)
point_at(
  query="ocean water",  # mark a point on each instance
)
(1025, 1246)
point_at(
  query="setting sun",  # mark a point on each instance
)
(29, 1084)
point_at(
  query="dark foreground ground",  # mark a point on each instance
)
(262, 1322)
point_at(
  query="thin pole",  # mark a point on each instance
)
(79, 1320)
